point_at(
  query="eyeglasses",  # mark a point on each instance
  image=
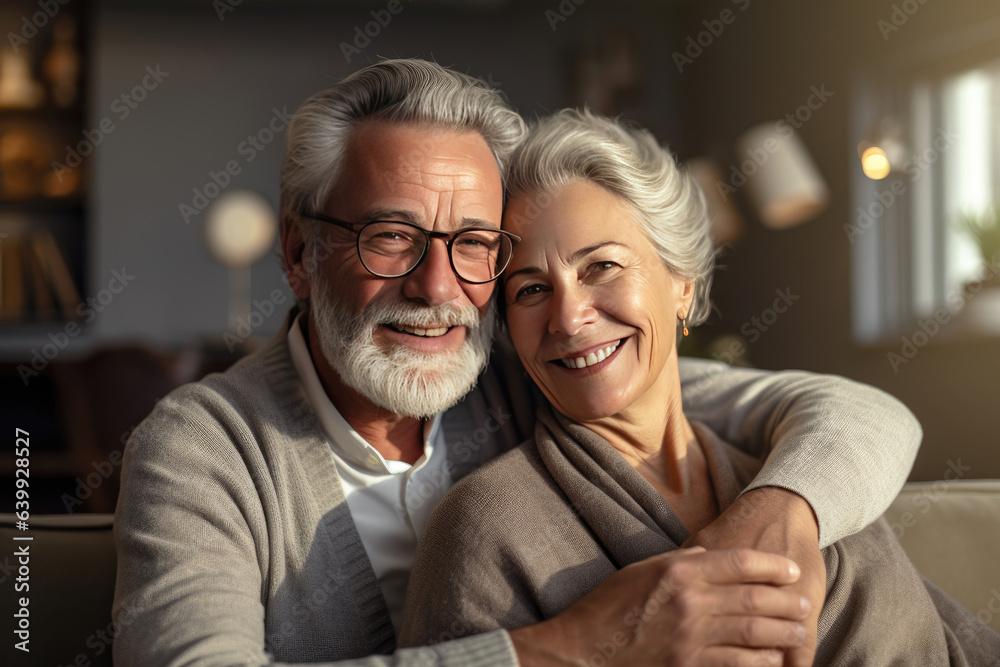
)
(393, 249)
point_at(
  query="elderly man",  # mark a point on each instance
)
(270, 514)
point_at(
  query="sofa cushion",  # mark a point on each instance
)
(71, 580)
(951, 531)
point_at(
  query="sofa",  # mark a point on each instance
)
(951, 530)
(71, 579)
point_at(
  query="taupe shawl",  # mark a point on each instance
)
(529, 534)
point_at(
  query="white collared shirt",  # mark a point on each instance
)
(389, 501)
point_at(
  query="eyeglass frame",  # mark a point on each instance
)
(359, 227)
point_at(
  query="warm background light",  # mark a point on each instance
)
(875, 163)
(240, 228)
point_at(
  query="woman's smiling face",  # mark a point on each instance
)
(591, 308)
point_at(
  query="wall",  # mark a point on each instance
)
(225, 77)
(761, 68)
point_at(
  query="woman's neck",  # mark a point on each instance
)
(656, 439)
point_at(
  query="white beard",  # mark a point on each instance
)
(403, 381)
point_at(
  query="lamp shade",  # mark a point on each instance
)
(782, 179)
(727, 223)
(240, 228)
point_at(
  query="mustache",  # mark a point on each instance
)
(379, 313)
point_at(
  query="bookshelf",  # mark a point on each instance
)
(43, 209)
(43, 228)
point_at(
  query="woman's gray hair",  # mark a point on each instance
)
(630, 163)
(406, 91)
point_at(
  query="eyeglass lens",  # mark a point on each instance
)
(391, 249)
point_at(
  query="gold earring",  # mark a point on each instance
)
(684, 323)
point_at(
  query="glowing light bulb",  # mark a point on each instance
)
(875, 163)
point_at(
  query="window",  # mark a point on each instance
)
(938, 117)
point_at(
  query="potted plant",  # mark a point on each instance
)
(984, 228)
(982, 307)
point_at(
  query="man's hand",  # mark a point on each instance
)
(689, 606)
(777, 521)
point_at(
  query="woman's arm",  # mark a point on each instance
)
(501, 551)
(837, 454)
(845, 447)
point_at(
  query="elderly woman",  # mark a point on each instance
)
(614, 264)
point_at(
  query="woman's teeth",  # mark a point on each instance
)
(592, 358)
(417, 331)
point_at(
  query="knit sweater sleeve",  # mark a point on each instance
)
(193, 552)
(469, 574)
(184, 531)
(846, 447)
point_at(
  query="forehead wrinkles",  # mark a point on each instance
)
(444, 188)
(437, 175)
(467, 182)
(440, 201)
(412, 150)
(440, 172)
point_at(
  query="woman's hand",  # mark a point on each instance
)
(777, 521)
(685, 607)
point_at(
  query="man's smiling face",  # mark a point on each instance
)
(413, 345)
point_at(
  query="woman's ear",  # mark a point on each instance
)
(293, 247)
(687, 296)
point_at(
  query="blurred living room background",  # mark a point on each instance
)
(850, 150)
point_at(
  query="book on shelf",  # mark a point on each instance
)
(35, 280)
(44, 305)
(58, 272)
(12, 288)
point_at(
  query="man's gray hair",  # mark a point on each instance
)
(631, 164)
(406, 91)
